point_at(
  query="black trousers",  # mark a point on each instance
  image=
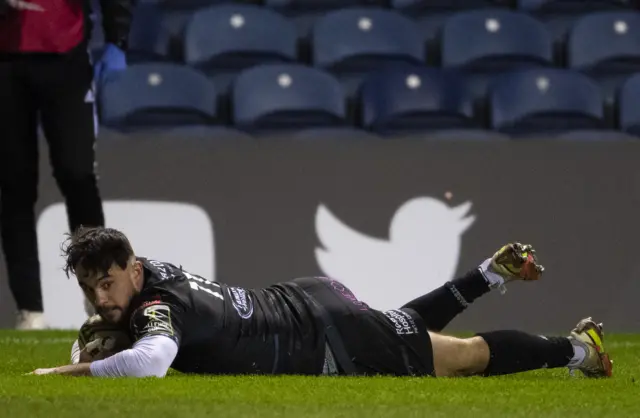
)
(54, 91)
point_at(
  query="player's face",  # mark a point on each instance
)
(110, 293)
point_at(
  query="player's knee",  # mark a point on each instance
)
(474, 357)
(456, 357)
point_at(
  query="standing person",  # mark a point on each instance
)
(46, 79)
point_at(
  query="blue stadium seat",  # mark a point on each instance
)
(546, 102)
(419, 6)
(503, 40)
(178, 133)
(149, 39)
(334, 134)
(559, 14)
(414, 99)
(352, 42)
(221, 40)
(178, 5)
(286, 97)
(594, 136)
(152, 95)
(302, 5)
(606, 46)
(459, 135)
(629, 106)
(431, 14)
(305, 12)
(158, 26)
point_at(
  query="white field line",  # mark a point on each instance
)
(35, 341)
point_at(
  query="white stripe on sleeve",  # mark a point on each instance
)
(75, 353)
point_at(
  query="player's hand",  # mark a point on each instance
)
(66, 370)
(112, 61)
(43, 371)
(24, 5)
(98, 340)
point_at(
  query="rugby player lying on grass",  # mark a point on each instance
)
(311, 326)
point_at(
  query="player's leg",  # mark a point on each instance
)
(439, 307)
(70, 126)
(507, 352)
(18, 189)
(69, 123)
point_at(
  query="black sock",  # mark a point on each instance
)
(439, 307)
(516, 351)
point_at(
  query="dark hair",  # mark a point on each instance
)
(95, 250)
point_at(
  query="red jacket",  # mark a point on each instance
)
(63, 25)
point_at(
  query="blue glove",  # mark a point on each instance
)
(112, 60)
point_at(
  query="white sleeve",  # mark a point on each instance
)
(149, 356)
(75, 353)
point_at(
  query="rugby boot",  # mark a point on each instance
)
(590, 336)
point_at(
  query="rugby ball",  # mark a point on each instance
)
(98, 339)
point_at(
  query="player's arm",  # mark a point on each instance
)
(156, 326)
(75, 368)
(150, 356)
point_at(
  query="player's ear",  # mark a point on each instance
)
(138, 273)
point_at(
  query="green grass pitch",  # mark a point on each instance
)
(546, 393)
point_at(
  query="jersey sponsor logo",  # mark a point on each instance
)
(402, 321)
(151, 302)
(420, 253)
(241, 301)
(348, 294)
(158, 320)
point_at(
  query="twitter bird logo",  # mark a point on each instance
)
(421, 253)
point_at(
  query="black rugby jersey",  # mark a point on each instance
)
(223, 329)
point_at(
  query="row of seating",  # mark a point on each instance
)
(163, 21)
(236, 27)
(222, 40)
(534, 5)
(415, 8)
(396, 100)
